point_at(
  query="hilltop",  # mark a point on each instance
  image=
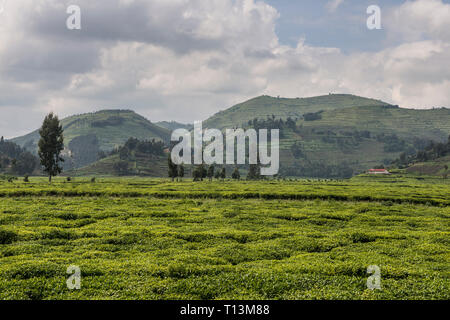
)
(173, 125)
(266, 106)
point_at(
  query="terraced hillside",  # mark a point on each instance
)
(437, 167)
(266, 106)
(337, 135)
(142, 165)
(173, 125)
(362, 137)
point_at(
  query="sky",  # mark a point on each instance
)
(185, 60)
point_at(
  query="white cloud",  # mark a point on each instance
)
(185, 60)
(415, 20)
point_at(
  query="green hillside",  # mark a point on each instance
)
(111, 127)
(265, 106)
(141, 165)
(363, 137)
(173, 125)
(337, 135)
(431, 124)
(435, 167)
(332, 136)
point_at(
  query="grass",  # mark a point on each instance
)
(136, 238)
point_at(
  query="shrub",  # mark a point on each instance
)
(7, 237)
(179, 271)
(11, 179)
(58, 234)
(25, 179)
(359, 237)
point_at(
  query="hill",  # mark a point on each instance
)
(337, 135)
(265, 106)
(334, 136)
(111, 127)
(173, 125)
(135, 157)
(433, 160)
(141, 165)
(15, 160)
(86, 135)
(437, 167)
(361, 137)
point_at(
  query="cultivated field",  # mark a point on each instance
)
(136, 238)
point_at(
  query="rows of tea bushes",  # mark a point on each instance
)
(390, 190)
(149, 248)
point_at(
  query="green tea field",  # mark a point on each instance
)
(137, 238)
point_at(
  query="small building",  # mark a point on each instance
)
(378, 171)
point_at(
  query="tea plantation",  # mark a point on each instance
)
(136, 238)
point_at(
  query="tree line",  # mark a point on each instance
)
(432, 151)
(201, 172)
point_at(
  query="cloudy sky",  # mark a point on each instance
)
(185, 60)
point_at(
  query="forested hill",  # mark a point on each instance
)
(15, 160)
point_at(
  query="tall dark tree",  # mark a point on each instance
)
(254, 172)
(197, 173)
(211, 172)
(236, 175)
(173, 169)
(50, 145)
(223, 173)
(204, 171)
(181, 172)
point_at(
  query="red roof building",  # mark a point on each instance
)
(378, 171)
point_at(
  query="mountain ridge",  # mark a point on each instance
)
(332, 135)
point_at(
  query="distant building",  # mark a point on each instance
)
(378, 171)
